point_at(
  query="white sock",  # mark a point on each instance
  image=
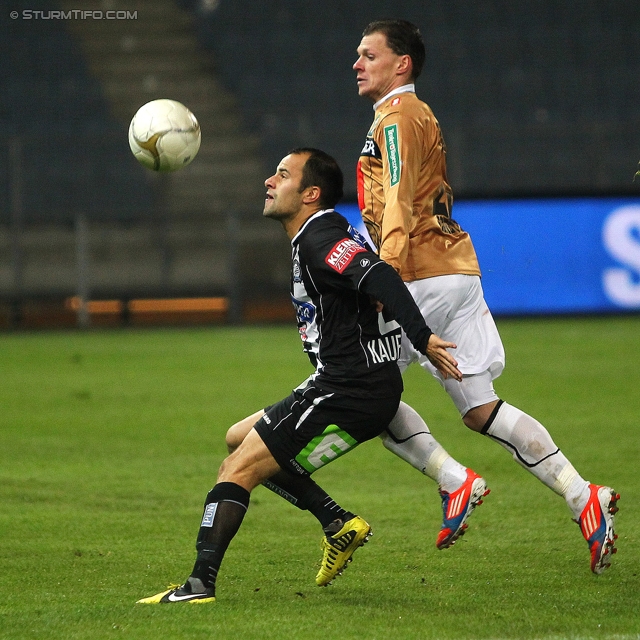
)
(410, 439)
(532, 447)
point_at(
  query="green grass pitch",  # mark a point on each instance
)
(109, 442)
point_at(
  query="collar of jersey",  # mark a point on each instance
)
(317, 214)
(405, 88)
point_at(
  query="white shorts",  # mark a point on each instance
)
(454, 308)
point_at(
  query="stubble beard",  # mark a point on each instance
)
(274, 213)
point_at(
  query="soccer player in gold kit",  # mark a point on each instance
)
(406, 204)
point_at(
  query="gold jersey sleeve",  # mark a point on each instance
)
(404, 196)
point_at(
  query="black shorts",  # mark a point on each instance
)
(312, 427)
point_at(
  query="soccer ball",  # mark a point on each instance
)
(164, 135)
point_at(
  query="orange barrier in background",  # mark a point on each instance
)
(150, 305)
(150, 311)
(66, 312)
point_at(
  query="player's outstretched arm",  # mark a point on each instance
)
(384, 285)
(441, 359)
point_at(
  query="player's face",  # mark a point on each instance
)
(284, 199)
(377, 67)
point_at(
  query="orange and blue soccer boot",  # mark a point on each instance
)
(597, 526)
(458, 506)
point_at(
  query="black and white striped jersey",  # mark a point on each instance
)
(335, 280)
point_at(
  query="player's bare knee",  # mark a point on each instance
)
(238, 432)
(250, 464)
(233, 438)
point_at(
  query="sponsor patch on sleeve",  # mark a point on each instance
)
(393, 153)
(340, 257)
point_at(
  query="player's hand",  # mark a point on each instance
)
(441, 359)
(377, 304)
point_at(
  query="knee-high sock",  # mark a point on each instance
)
(224, 511)
(534, 449)
(305, 494)
(410, 439)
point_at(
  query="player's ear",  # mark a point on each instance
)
(405, 64)
(311, 195)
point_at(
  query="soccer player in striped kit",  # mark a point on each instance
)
(337, 286)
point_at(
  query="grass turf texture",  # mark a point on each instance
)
(109, 442)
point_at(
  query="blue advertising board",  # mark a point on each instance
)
(566, 255)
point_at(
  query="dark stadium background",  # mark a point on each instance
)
(537, 99)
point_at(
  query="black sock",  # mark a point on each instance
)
(305, 494)
(224, 511)
(327, 512)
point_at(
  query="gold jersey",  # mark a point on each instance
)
(404, 196)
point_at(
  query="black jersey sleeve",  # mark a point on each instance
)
(346, 264)
(384, 284)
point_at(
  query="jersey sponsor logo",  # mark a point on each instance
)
(395, 102)
(371, 149)
(296, 271)
(305, 315)
(393, 153)
(305, 311)
(340, 257)
(365, 262)
(385, 349)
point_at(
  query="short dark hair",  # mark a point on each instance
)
(403, 38)
(321, 170)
